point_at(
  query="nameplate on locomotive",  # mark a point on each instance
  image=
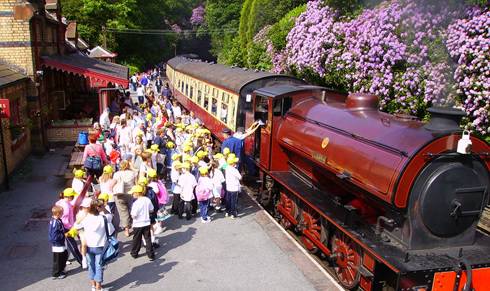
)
(319, 157)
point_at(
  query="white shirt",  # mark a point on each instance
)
(174, 176)
(109, 216)
(125, 135)
(140, 91)
(154, 187)
(77, 185)
(94, 231)
(218, 179)
(232, 177)
(134, 79)
(187, 182)
(107, 187)
(104, 120)
(140, 212)
(206, 183)
(177, 111)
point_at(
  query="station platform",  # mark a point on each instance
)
(248, 253)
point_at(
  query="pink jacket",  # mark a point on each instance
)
(95, 150)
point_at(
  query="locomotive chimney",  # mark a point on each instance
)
(444, 119)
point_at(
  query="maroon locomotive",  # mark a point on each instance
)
(387, 200)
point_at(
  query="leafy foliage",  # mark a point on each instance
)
(95, 17)
(279, 31)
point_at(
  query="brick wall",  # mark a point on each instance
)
(15, 35)
(18, 149)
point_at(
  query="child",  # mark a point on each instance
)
(140, 212)
(218, 180)
(233, 187)
(187, 182)
(176, 190)
(57, 240)
(204, 190)
(67, 203)
(78, 182)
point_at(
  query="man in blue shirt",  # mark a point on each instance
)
(234, 144)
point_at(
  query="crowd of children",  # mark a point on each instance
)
(146, 148)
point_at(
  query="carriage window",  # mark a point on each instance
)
(206, 102)
(277, 107)
(199, 94)
(232, 112)
(214, 106)
(224, 112)
(186, 90)
(191, 93)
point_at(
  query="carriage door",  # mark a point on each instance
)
(263, 136)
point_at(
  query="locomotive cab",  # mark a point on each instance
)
(270, 107)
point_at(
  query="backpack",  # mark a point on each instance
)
(162, 195)
(202, 193)
(93, 163)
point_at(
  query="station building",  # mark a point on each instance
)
(54, 88)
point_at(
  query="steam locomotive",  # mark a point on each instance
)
(390, 202)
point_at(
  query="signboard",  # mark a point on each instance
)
(4, 108)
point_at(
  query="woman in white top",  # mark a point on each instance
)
(176, 110)
(95, 238)
(125, 137)
(106, 186)
(125, 180)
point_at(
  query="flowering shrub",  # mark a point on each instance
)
(197, 17)
(397, 51)
(468, 42)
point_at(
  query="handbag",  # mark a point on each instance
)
(111, 249)
(93, 163)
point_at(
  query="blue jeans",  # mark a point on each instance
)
(203, 209)
(95, 272)
(232, 201)
(141, 100)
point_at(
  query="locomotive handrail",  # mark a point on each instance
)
(349, 134)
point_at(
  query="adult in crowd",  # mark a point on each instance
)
(95, 152)
(125, 179)
(104, 119)
(95, 237)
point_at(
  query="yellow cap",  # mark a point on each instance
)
(79, 173)
(203, 170)
(177, 164)
(108, 169)
(201, 154)
(103, 196)
(170, 145)
(140, 133)
(218, 156)
(180, 125)
(69, 192)
(186, 158)
(226, 151)
(149, 116)
(206, 131)
(231, 155)
(187, 149)
(136, 189)
(154, 147)
(194, 160)
(152, 173)
(232, 160)
(186, 165)
(73, 232)
(143, 181)
(176, 157)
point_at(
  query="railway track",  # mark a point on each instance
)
(319, 262)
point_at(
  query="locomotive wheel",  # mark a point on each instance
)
(291, 208)
(347, 259)
(311, 223)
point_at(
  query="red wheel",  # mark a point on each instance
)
(290, 207)
(311, 223)
(347, 260)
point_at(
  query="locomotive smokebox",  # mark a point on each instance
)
(444, 119)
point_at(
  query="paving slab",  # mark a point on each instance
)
(248, 253)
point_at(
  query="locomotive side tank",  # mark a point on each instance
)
(400, 169)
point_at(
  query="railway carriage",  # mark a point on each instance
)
(390, 203)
